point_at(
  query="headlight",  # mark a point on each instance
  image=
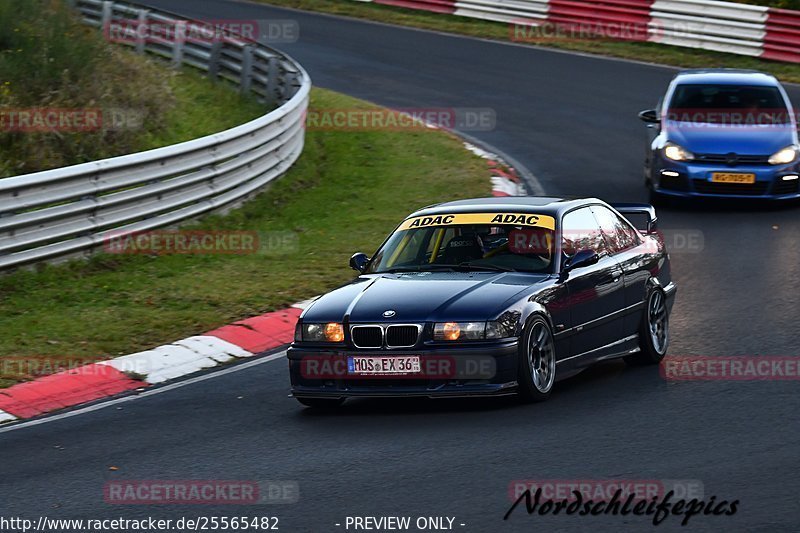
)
(784, 156)
(499, 330)
(677, 153)
(470, 331)
(330, 332)
(454, 331)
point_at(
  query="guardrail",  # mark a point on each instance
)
(782, 41)
(718, 26)
(72, 210)
(743, 29)
(502, 11)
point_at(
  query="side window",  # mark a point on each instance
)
(579, 231)
(618, 234)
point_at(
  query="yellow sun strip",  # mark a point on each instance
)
(515, 219)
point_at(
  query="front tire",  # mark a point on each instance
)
(321, 403)
(537, 361)
(653, 331)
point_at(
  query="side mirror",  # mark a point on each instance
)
(650, 116)
(359, 261)
(582, 258)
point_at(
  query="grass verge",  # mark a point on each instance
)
(640, 51)
(347, 191)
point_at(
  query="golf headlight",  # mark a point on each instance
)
(330, 332)
(784, 156)
(470, 331)
(677, 153)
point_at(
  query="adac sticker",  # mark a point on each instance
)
(515, 219)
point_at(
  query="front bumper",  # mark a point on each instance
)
(694, 180)
(321, 373)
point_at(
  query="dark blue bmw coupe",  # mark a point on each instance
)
(489, 296)
(722, 133)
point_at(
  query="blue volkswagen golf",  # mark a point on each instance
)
(722, 133)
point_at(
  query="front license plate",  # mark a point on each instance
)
(383, 366)
(732, 177)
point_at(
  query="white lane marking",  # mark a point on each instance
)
(146, 393)
(6, 417)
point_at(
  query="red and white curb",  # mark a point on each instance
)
(505, 181)
(239, 340)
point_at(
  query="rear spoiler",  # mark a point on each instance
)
(640, 209)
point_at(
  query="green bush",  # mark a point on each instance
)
(49, 59)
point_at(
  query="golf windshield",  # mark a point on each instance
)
(728, 105)
(525, 246)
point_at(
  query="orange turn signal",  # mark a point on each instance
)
(451, 331)
(334, 332)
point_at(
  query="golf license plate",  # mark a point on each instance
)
(732, 177)
(370, 365)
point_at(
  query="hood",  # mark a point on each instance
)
(422, 297)
(721, 139)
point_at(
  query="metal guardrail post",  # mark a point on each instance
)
(246, 79)
(273, 79)
(140, 39)
(213, 59)
(108, 11)
(178, 43)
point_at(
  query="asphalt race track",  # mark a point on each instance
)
(570, 119)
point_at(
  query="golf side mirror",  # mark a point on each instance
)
(650, 116)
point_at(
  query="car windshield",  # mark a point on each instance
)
(728, 104)
(471, 241)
